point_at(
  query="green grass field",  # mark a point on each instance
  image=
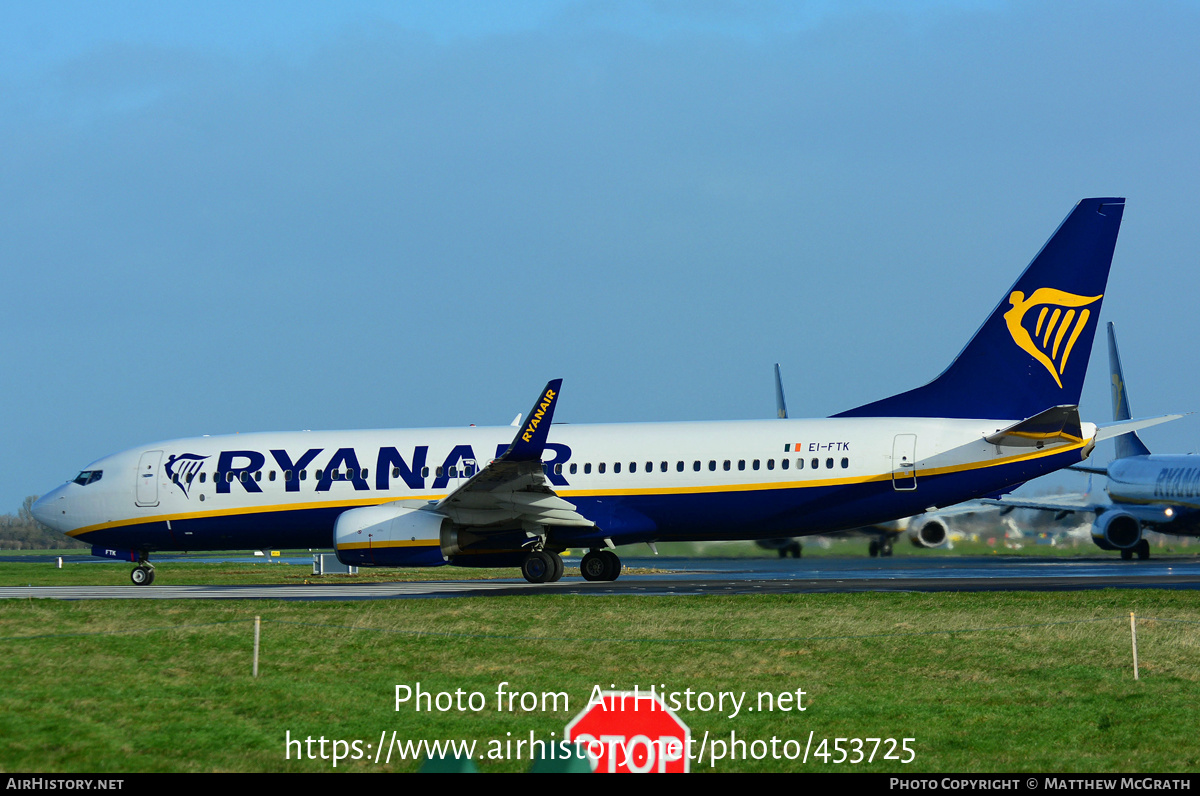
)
(982, 682)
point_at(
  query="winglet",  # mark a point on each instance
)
(531, 438)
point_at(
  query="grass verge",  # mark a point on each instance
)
(983, 682)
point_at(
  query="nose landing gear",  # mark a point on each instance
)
(143, 573)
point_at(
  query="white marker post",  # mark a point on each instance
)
(1133, 632)
(257, 628)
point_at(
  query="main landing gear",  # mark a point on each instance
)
(600, 565)
(546, 566)
(880, 548)
(542, 566)
(795, 549)
(143, 573)
(1142, 549)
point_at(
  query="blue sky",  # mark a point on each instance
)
(231, 217)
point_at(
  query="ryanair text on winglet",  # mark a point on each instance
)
(534, 421)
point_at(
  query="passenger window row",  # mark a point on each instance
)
(698, 465)
(348, 474)
(469, 470)
(257, 475)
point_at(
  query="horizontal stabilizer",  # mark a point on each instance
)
(1110, 430)
(1056, 424)
(1085, 469)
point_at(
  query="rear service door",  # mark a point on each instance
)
(904, 462)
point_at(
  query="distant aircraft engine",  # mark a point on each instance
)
(927, 532)
(1116, 530)
(391, 535)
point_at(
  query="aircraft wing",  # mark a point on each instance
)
(506, 493)
(959, 509)
(1063, 505)
(513, 490)
(1154, 513)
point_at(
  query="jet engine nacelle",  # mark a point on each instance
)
(927, 532)
(390, 535)
(1116, 530)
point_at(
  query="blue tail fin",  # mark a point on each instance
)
(1127, 444)
(780, 404)
(1032, 351)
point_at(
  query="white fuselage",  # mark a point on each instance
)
(636, 482)
(1162, 489)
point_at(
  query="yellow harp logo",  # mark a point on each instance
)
(1058, 325)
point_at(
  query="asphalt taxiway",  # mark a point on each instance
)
(667, 576)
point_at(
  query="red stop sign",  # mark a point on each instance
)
(631, 732)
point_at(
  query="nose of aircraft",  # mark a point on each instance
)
(48, 510)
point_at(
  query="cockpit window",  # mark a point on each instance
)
(88, 477)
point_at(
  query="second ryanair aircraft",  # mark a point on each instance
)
(1005, 411)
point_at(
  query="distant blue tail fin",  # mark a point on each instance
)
(1032, 351)
(1127, 444)
(780, 404)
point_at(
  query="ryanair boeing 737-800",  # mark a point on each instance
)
(1005, 411)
